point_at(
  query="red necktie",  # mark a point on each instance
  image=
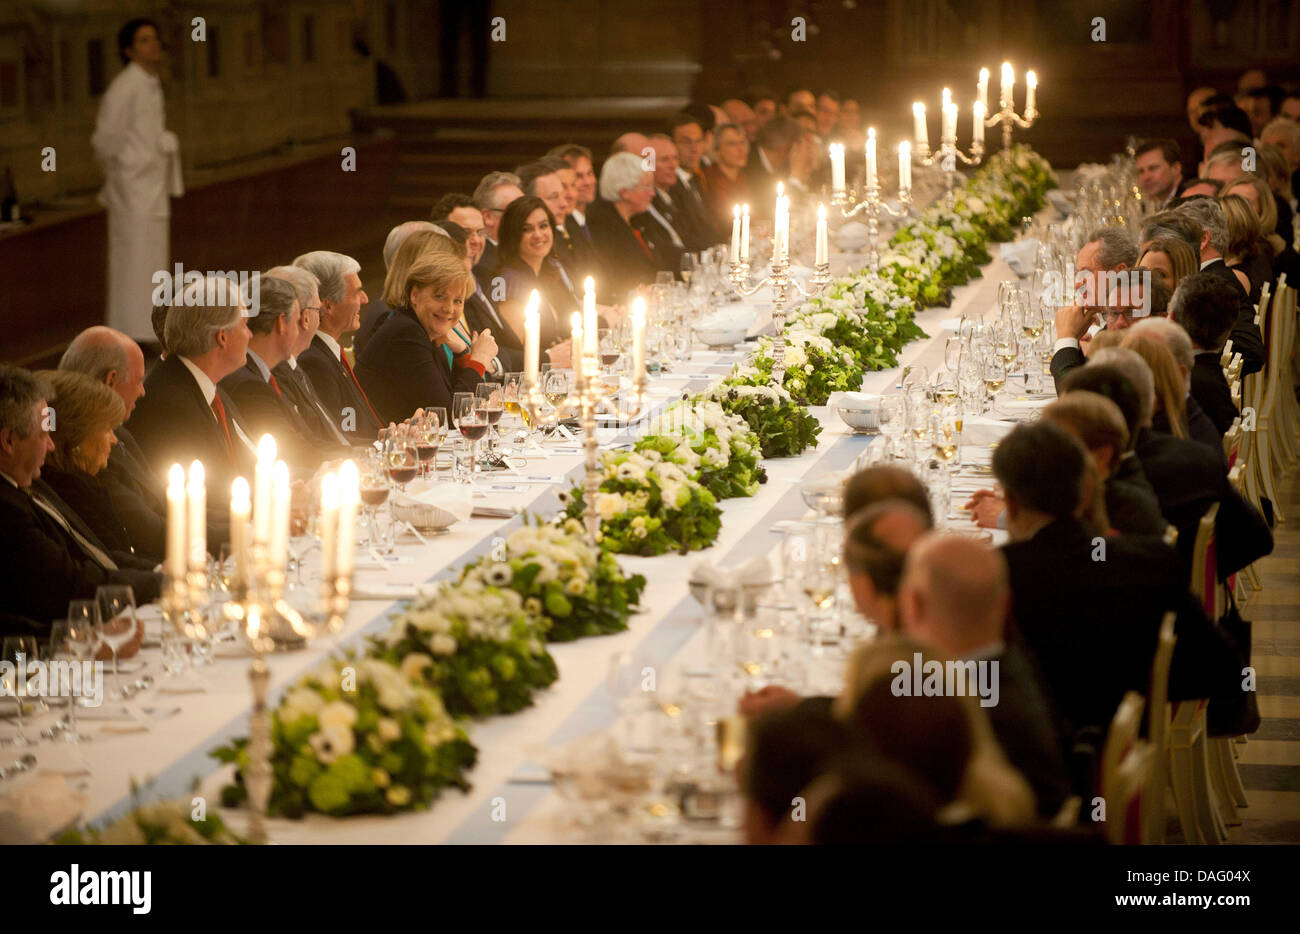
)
(274, 384)
(219, 410)
(641, 240)
(343, 358)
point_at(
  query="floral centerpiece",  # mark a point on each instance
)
(715, 447)
(783, 427)
(477, 644)
(649, 505)
(170, 823)
(580, 589)
(357, 736)
(814, 366)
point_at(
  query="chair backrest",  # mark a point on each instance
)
(1232, 439)
(1158, 729)
(1232, 372)
(1205, 579)
(1225, 358)
(1121, 742)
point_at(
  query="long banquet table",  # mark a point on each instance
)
(173, 752)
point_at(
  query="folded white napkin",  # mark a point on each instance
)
(854, 401)
(1020, 254)
(450, 502)
(37, 809)
(1059, 200)
(980, 429)
(755, 571)
(851, 237)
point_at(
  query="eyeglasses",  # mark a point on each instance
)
(1112, 316)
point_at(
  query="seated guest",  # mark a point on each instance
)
(1223, 122)
(688, 135)
(1170, 416)
(954, 599)
(1174, 339)
(864, 799)
(1171, 257)
(1225, 161)
(375, 313)
(324, 361)
(440, 241)
(492, 196)
(876, 541)
(1159, 171)
(769, 162)
(762, 100)
(184, 414)
(1127, 302)
(481, 312)
(727, 180)
(1196, 188)
(405, 367)
(1271, 247)
(584, 185)
(1249, 256)
(48, 556)
(629, 260)
(1246, 339)
(1087, 607)
(1108, 249)
(293, 379)
(1205, 308)
(87, 413)
(254, 388)
(528, 263)
(1275, 170)
(874, 484)
(662, 225)
(541, 179)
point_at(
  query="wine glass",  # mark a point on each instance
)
(472, 425)
(17, 651)
(945, 433)
(118, 624)
(374, 493)
(512, 399)
(556, 385)
(401, 459)
(611, 349)
(995, 377)
(489, 405)
(688, 267)
(73, 641)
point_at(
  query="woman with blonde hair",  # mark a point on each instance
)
(979, 784)
(412, 248)
(1172, 257)
(1248, 256)
(1170, 387)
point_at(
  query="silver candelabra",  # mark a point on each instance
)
(872, 205)
(1009, 119)
(947, 155)
(778, 278)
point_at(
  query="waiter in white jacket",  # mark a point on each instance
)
(141, 163)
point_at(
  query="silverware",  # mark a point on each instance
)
(25, 764)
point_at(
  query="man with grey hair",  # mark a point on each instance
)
(492, 196)
(1107, 252)
(1205, 308)
(1199, 425)
(626, 189)
(184, 415)
(1225, 162)
(324, 361)
(1245, 336)
(48, 556)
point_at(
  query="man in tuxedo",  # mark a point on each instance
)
(184, 415)
(1159, 171)
(584, 179)
(689, 190)
(1108, 250)
(48, 556)
(135, 491)
(769, 162)
(876, 542)
(763, 102)
(492, 196)
(657, 227)
(1204, 306)
(672, 215)
(341, 298)
(1213, 241)
(627, 257)
(265, 406)
(1199, 426)
(1086, 606)
(293, 379)
(954, 598)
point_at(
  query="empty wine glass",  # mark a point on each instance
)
(118, 624)
(17, 651)
(75, 641)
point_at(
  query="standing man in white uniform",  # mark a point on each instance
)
(141, 163)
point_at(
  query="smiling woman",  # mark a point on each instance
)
(403, 366)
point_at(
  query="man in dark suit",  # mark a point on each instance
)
(324, 361)
(1176, 340)
(1088, 607)
(626, 190)
(47, 555)
(688, 191)
(492, 196)
(184, 415)
(769, 162)
(954, 598)
(265, 406)
(135, 492)
(692, 230)
(1204, 305)
(1108, 250)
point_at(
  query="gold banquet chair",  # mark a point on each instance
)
(1260, 482)
(1284, 414)
(1153, 811)
(1126, 768)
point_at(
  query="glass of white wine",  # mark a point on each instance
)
(995, 378)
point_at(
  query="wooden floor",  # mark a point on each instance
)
(1270, 761)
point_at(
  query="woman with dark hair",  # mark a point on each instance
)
(526, 261)
(404, 366)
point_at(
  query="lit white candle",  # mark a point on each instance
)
(1031, 88)
(176, 522)
(1008, 94)
(735, 234)
(904, 166)
(349, 502)
(239, 513)
(638, 338)
(922, 133)
(871, 158)
(590, 327)
(278, 543)
(983, 89)
(196, 495)
(837, 167)
(329, 525)
(781, 225)
(823, 237)
(744, 233)
(575, 340)
(262, 476)
(532, 340)
(947, 118)
(977, 123)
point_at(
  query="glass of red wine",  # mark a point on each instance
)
(428, 429)
(401, 459)
(374, 493)
(490, 404)
(473, 426)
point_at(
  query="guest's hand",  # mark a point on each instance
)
(985, 507)
(561, 355)
(484, 347)
(1085, 344)
(456, 343)
(772, 697)
(1072, 321)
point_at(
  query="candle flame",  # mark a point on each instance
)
(239, 494)
(984, 75)
(350, 481)
(821, 212)
(266, 449)
(589, 285)
(196, 474)
(918, 109)
(1031, 79)
(176, 478)
(744, 210)
(329, 491)
(1008, 73)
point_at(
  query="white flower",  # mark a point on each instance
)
(609, 505)
(498, 575)
(442, 645)
(576, 586)
(300, 701)
(388, 729)
(652, 455)
(337, 713)
(414, 664)
(629, 471)
(331, 743)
